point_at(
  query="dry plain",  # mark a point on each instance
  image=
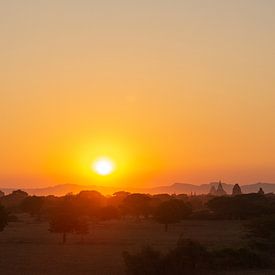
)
(27, 247)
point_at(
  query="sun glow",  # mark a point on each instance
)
(103, 166)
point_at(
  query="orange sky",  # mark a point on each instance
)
(172, 91)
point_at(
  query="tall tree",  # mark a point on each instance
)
(63, 223)
(137, 205)
(64, 217)
(172, 211)
(33, 205)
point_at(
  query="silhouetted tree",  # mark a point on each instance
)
(88, 203)
(82, 227)
(172, 211)
(63, 223)
(137, 205)
(13, 201)
(64, 218)
(162, 197)
(108, 213)
(3, 218)
(118, 198)
(197, 202)
(33, 205)
(93, 196)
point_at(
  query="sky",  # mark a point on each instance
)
(170, 91)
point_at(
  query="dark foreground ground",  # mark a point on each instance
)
(27, 247)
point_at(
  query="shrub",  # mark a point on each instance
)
(190, 257)
(146, 262)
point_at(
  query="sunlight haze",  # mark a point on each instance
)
(169, 91)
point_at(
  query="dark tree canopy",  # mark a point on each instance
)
(63, 223)
(13, 201)
(33, 205)
(172, 211)
(108, 213)
(66, 219)
(3, 218)
(137, 205)
(82, 226)
(242, 206)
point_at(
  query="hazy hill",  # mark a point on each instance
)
(204, 188)
(176, 188)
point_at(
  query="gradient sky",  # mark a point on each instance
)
(172, 91)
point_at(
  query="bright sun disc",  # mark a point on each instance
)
(103, 166)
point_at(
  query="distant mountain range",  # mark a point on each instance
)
(176, 188)
(187, 188)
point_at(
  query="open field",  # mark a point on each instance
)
(27, 247)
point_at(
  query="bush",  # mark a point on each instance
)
(190, 257)
(240, 258)
(261, 233)
(146, 262)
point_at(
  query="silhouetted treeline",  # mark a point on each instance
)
(144, 205)
(242, 206)
(90, 206)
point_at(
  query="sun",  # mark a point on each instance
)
(103, 166)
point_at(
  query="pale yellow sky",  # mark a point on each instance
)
(172, 91)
